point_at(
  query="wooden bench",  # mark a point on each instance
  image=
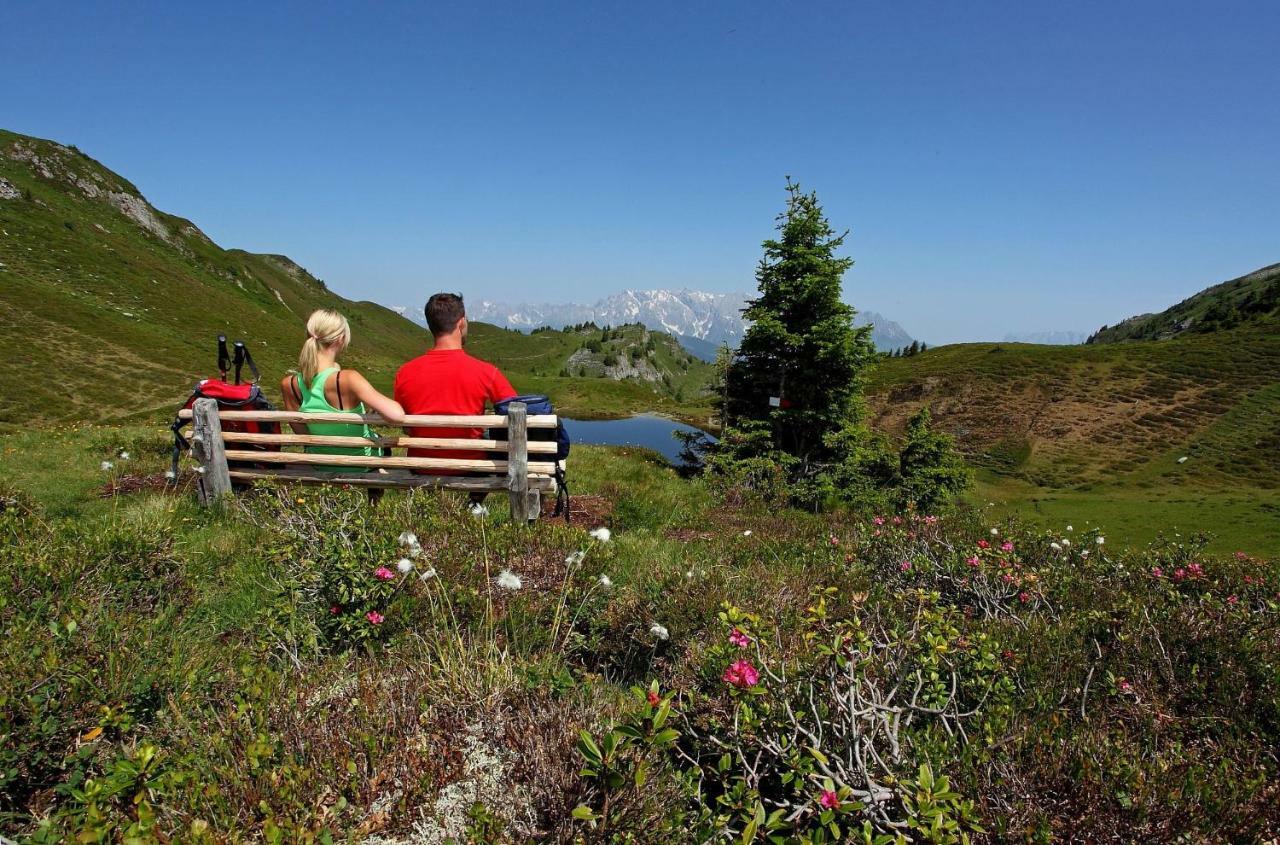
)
(224, 460)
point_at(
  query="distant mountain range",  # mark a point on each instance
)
(702, 321)
(1051, 338)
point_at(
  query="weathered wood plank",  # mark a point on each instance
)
(414, 421)
(207, 446)
(518, 462)
(376, 462)
(544, 447)
(393, 480)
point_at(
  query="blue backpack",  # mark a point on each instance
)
(536, 403)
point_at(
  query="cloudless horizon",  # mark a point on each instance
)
(1002, 167)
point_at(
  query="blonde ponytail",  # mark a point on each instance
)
(325, 330)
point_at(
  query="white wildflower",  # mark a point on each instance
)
(746, 533)
(659, 631)
(602, 534)
(478, 510)
(508, 580)
(124, 456)
(1100, 540)
(606, 581)
(1055, 546)
(1066, 543)
(106, 466)
(1084, 553)
(404, 565)
(407, 538)
(575, 558)
(995, 532)
(1069, 528)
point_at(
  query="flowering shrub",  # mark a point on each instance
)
(824, 732)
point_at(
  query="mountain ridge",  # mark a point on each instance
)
(1253, 297)
(703, 319)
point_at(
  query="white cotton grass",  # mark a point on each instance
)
(746, 533)
(478, 510)
(602, 534)
(1056, 546)
(575, 558)
(508, 580)
(659, 631)
(124, 456)
(1100, 540)
(605, 581)
(995, 532)
(107, 466)
(429, 572)
(404, 565)
(407, 538)
(169, 475)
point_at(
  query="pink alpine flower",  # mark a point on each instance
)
(835, 541)
(741, 674)
(374, 617)
(983, 544)
(1157, 572)
(739, 639)
(829, 800)
(652, 698)
(1195, 570)
(1006, 546)
(904, 566)
(1124, 685)
(897, 520)
(1232, 600)
(1179, 574)
(973, 561)
(334, 609)
(1024, 597)
(879, 520)
(383, 574)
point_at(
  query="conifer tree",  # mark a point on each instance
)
(799, 368)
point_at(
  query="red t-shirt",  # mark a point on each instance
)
(449, 381)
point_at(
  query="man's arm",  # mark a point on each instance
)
(499, 387)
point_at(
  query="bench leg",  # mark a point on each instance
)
(208, 448)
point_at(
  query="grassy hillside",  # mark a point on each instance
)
(1101, 431)
(1253, 298)
(109, 307)
(172, 674)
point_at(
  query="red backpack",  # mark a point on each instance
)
(230, 397)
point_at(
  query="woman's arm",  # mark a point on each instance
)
(287, 389)
(361, 391)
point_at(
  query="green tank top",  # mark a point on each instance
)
(314, 402)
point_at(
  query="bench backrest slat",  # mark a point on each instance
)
(412, 421)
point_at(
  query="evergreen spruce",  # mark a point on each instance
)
(802, 347)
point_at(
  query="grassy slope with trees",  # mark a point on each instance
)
(1098, 432)
(109, 307)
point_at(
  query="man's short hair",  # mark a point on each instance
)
(443, 311)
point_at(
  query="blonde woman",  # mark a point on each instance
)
(322, 386)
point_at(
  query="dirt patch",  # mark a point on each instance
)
(157, 483)
(584, 511)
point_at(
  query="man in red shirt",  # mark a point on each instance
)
(446, 380)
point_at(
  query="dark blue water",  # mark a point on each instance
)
(646, 430)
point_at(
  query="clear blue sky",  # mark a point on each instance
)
(1002, 166)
